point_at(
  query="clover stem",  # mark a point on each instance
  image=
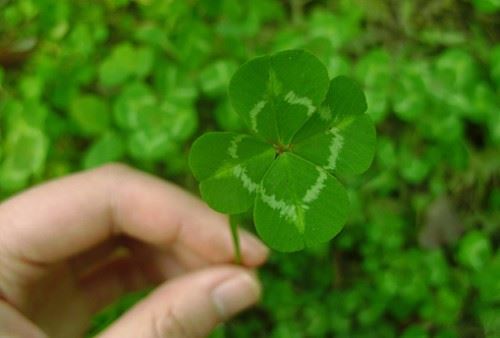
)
(233, 223)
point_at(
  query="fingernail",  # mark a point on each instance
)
(254, 248)
(236, 294)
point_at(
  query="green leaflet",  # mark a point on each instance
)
(125, 61)
(150, 144)
(312, 130)
(130, 104)
(90, 114)
(25, 154)
(230, 167)
(154, 127)
(106, 149)
(346, 148)
(299, 204)
(340, 138)
(344, 100)
(275, 95)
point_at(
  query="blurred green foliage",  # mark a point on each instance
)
(84, 83)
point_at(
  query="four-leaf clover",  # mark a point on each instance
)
(306, 130)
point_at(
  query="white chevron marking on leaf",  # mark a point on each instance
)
(286, 210)
(254, 113)
(292, 98)
(336, 145)
(313, 192)
(233, 147)
(291, 212)
(248, 183)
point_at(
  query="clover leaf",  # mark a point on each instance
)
(155, 124)
(107, 148)
(124, 62)
(90, 114)
(306, 130)
(25, 155)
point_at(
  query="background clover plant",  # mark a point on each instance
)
(86, 83)
(305, 131)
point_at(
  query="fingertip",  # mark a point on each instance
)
(191, 305)
(236, 294)
(254, 252)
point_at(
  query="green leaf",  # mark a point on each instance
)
(215, 78)
(29, 112)
(340, 138)
(344, 98)
(124, 62)
(275, 95)
(31, 87)
(375, 70)
(90, 114)
(230, 167)
(495, 64)
(311, 131)
(298, 205)
(25, 152)
(414, 168)
(193, 42)
(150, 145)
(412, 99)
(474, 250)
(106, 149)
(152, 34)
(180, 120)
(487, 6)
(347, 148)
(144, 59)
(118, 66)
(337, 30)
(131, 103)
(173, 84)
(487, 281)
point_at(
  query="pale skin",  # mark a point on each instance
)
(72, 246)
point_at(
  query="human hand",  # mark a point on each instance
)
(72, 246)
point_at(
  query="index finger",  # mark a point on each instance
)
(62, 218)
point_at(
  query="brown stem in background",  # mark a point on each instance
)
(14, 54)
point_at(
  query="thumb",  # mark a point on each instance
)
(189, 306)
